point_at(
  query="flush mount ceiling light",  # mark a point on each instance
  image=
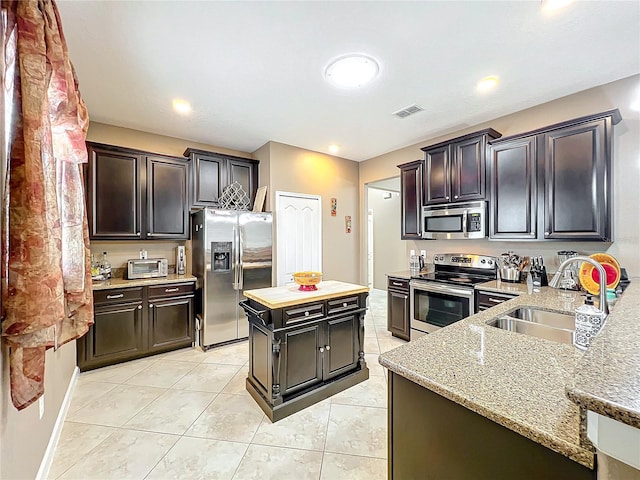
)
(487, 83)
(334, 149)
(553, 5)
(181, 106)
(352, 71)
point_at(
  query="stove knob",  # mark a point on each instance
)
(490, 262)
(483, 261)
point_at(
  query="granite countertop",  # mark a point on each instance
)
(406, 274)
(607, 379)
(288, 295)
(516, 380)
(123, 283)
(505, 287)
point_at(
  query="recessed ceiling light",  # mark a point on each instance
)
(181, 106)
(334, 149)
(553, 5)
(487, 83)
(352, 71)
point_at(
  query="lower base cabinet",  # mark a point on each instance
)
(136, 322)
(398, 322)
(431, 437)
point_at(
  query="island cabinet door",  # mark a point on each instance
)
(341, 350)
(301, 362)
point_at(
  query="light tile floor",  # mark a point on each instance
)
(186, 414)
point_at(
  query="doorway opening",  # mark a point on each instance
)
(384, 246)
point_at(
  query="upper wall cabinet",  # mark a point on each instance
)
(554, 183)
(211, 172)
(454, 171)
(133, 195)
(411, 200)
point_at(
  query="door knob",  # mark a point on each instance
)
(327, 347)
(321, 349)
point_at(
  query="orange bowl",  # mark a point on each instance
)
(307, 280)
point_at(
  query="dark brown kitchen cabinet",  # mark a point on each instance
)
(211, 172)
(134, 195)
(577, 173)
(171, 317)
(454, 171)
(118, 332)
(115, 193)
(135, 322)
(411, 200)
(554, 183)
(514, 195)
(398, 322)
(341, 349)
(167, 200)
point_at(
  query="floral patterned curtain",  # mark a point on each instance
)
(46, 277)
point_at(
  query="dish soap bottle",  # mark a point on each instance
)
(588, 323)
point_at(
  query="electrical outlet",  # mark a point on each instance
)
(423, 253)
(41, 406)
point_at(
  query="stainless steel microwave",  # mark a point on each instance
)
(454, 221)
(147, 268)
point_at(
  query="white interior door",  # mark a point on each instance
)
(298, 235)
(370, 248)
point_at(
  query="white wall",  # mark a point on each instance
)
(626, 175)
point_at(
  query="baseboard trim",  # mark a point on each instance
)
(47, 459)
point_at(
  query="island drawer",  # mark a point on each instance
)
(303, 313)
(117, 295)
(342, 304)
(172, 290)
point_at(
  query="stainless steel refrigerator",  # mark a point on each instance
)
(231, 253)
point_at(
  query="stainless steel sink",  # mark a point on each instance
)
(554, 326)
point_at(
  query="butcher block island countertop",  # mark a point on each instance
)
(289, 295)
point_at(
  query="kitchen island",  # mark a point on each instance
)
(475, 401)
(304, 346)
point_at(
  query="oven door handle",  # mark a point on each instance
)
(441, 289)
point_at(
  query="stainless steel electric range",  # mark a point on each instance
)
(446, 295)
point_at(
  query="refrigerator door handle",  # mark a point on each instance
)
(241, 258)
(234, 256)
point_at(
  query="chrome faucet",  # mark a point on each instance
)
(555, 281)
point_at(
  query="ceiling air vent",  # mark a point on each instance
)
(406, 111)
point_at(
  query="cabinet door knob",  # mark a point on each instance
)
(139, 307)
(344, 304)
(138, 234)
(306, 314)
(151, 305)
(327, 347)
(321, 349)
(455, 196)
(446, 198)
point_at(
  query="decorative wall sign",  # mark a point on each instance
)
(334, 206)
(347, 223)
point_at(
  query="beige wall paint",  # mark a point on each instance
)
(150, 142)
(24, 436)
(388, 249)
(296, 170)
(626, 175)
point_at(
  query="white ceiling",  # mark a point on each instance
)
(253, 71)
